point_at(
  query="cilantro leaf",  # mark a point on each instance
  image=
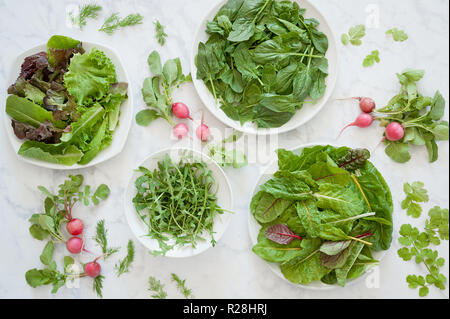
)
(354, 35)
(398, 35)
(373, 57)
(415, 193)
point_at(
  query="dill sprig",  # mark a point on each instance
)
(87, 11)
(114, 22)
(181, 285)
(161, 35)
(98, 285)
(124, 265)
(157, 287)
(102, 240)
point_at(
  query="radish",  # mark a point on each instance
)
(366, 104)
(75, 227)
(395, 132)
(93, 269)
(203, 130)
(180, 130)
(75, 245)
(363, 120)
(181, 111)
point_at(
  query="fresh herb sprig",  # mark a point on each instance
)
(157, 287)
(124, 265)
(415, 194)
(397, 35)
(372, 58)
(85, 12)
(181, 285)
(354, 36)
(420, 116)
(157, 90)
(102, 240)
(417, 245)
(161, 35)
(114, 22)
(177, 202)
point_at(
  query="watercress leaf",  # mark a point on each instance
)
(370, 59)
(356, 33)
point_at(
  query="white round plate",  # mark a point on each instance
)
(126, 114)
(254, 227)
(224, 200)
(302, 116)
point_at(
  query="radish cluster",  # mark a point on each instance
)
(394, 131)
(181, 130)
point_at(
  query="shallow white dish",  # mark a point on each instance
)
(254, 227)
(126, 114)
(302, 116)
(224, 200)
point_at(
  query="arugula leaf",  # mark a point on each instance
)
(354, 36)
(373, 57)
(398, 35)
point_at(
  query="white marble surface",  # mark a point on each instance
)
(230, 270)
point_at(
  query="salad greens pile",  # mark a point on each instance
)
(421, 117)
(263, 60)
(323, 214)
(177, 202)
(65, 103)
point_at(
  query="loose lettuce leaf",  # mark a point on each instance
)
(60, 50)
(58, 154)
(266, 208)
(273, 252)
(90, 76)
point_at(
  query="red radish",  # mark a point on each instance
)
(180, 130)
(203, 130)
(366, 104)
(363, 120)
(75, 245)
(75, 227)
(395, 132)
(93, 269)
(181, 111)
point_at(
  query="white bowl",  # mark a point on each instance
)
(302, 116)
(254, 227)
(126, 114)
(224, 200)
